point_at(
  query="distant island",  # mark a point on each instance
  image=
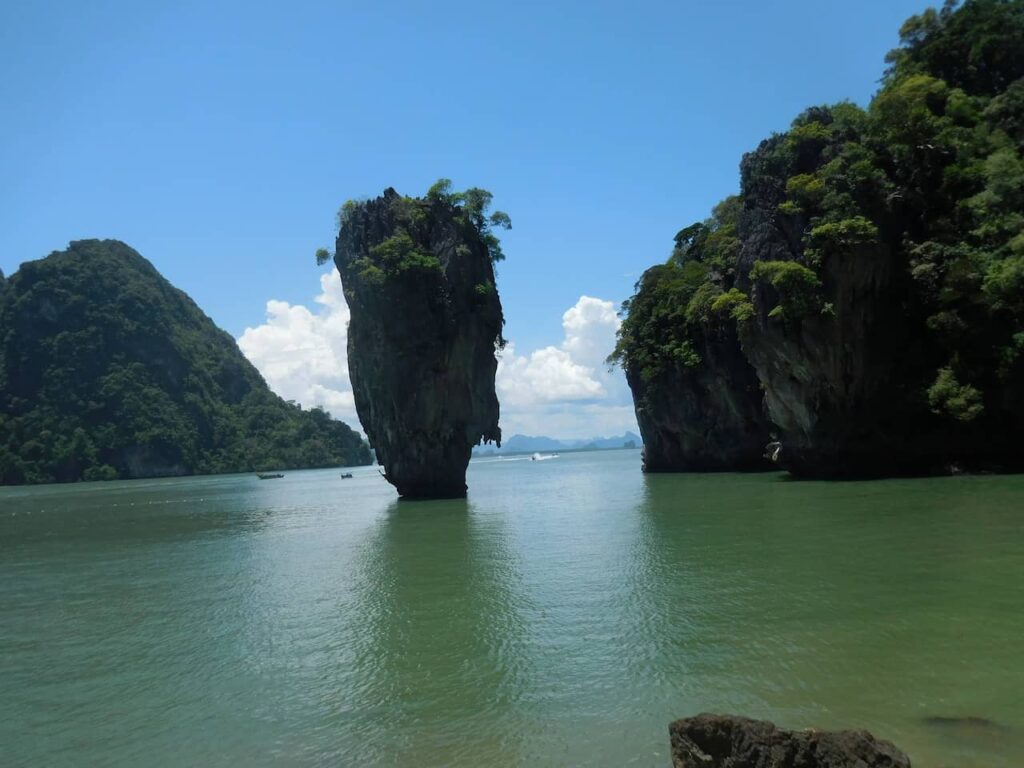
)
(108, 371)
(857, 309)
(519, 444)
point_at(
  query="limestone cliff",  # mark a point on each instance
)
(832, 352)
(706, 417)
(698, 400)
(426, 319)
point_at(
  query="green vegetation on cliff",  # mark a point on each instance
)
(872, 265)
(403, 253)
(107, 370)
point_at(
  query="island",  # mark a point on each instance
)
(857, 309)
(108, 371)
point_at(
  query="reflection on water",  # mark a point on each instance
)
(442, 637)
(563, 615)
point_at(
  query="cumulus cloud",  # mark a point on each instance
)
(590, 328)
(301, 353)
(567, 391)
(563, 391)
(544, 376)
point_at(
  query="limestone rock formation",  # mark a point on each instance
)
(725, 741)
(426, 320)
(872, 268)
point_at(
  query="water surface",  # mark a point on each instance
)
(562, 615)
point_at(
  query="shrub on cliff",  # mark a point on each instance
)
(400, 254)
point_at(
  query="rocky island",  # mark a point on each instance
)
(418, 276)
(857, 308)
(727, 741)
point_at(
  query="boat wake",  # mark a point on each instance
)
(505, 459)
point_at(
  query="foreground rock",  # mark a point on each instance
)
(426, 320)
(724, 741)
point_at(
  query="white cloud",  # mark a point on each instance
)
(563, 391)
(567, 391)
(590, 328)
(546, 375)
(302, 353)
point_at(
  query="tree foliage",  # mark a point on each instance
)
(474, 204)
(403, 256)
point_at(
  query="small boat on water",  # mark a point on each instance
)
(346, 475)
(268, 475)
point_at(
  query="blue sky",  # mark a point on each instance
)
(219, 138)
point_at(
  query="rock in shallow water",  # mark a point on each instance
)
(426, 319)
(725, 741)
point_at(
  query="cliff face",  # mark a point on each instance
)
(831, 354)
(704, 418)
(107, 370)
(872, 268)
(426, 318)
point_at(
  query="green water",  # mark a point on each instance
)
(563, 615)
